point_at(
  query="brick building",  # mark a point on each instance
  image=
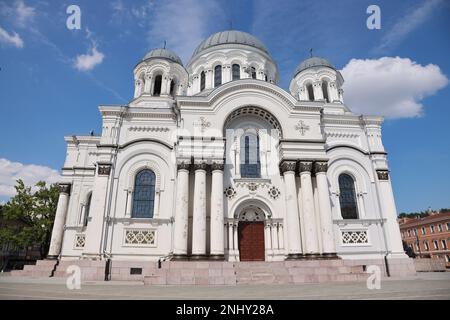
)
(428, 236)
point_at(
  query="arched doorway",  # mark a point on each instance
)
(251, 234)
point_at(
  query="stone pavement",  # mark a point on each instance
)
(421, 286)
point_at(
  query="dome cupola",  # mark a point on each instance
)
(317, 79)
(163, 54)
(160, 73)
(227, 56)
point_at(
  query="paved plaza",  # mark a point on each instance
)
(421, 286)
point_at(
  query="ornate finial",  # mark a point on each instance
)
(231, 24)
(311, 52)
(164, 44)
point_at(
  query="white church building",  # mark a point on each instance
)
(214, 161)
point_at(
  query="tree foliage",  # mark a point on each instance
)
(27, 218)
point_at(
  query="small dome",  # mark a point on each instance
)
(229, 37)
(313, 62)
(163, 54)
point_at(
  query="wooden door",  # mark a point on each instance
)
(251, 241)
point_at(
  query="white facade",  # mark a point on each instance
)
(220, 147)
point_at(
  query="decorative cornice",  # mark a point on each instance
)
(64, 188)
(287, 166)
(148, 129)
(320, 166)
(383, 174)
(305, 166)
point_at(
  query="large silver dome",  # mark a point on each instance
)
(229, 37)
(163, 54)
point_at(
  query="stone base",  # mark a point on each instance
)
(180, 257)
(217, 257)
(294, 256)
(199, 257)
(329, 256)
(311, 256)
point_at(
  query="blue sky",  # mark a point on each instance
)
(52, 79)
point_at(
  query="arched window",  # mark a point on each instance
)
(310, 89)
(347, 197)
(202, 81)
(157, 85)
(250, 162)
(253, 72)
(144, 194)
(325, 91)
(86, 210)
(217, 76)
(172, 88)
(236, 71)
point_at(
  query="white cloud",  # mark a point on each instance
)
(10, 39)
(391, 87)
(19, 13)
(88, 61)
(407, 23)
(183, 24)
(29, 173)
(24, 13)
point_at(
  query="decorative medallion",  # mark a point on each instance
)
(288, 166)
(252, 186)
(274, 192)
(183, 165)
(320, 166)
(202, 123)
(104, 169)
(230, 192)
(64, 188)
(305, 166)
(383, 174)
(301, 127)
(217, 166)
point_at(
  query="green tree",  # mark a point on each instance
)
(27, 218)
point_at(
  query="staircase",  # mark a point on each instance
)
(204, 272)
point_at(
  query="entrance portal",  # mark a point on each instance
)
(251, 241)
(251, 234)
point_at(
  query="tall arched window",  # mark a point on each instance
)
(172, 87)
(217, 76)
(253, 72)
(157, 85)
(325, 91)
(144, 194)
(310, 89)
(236, 71)
(347, 197)
(250, 162)
(86, 210)
(202, 81)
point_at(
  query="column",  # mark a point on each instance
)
(287, 168)
(94, 233)
(148, 83)
(129, 202)
(267, 237)
(311, 239)
(137, 88)
(199, 215)
(235, 239)
(180, 241)
(389, 211)
(280, 235)
(274, 237)
(60, 220)
(217, 237)
(318, 93)
(326, 219)
(230, 238)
